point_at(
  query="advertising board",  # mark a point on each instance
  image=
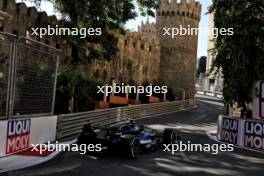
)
(18, 134)
(241, 132)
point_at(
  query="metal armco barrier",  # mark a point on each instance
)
(211, 94)
(70, 125)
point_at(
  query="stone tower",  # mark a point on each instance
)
(178, 54)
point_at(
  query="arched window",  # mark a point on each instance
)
(173, 13)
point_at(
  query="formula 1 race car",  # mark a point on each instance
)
(126, 139)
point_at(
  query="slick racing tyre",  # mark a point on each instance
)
(134, 149)
(170, 136)
(131, 148)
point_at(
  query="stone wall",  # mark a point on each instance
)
(138, 58)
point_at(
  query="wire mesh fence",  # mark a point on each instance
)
(29, 78)
(6, 45)
(36, 66)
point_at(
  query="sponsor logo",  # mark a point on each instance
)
(229, 130)
(18, 132)
(254, 135)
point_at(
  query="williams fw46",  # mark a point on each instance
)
(126, 139)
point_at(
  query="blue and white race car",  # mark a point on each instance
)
(127, 139)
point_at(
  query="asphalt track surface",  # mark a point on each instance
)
(192, 125)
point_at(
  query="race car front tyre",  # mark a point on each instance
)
(131, 147)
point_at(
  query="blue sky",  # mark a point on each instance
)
(132, 24)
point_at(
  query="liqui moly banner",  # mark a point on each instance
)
(18, 135)
(244, 133)
(254, 135)
(229, 130)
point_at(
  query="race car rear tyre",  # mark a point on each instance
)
(170, 136)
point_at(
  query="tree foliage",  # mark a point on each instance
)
(109, 15)
(240, 56)
(76, 89)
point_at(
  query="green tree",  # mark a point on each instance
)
(76, 89)
(240, 56)
(201, 66)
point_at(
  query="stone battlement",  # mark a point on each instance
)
(23, 18)
(148, 30)
(138, 37)
(184, 8)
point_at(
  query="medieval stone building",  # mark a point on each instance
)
(137, 60)
(143, 55)
(178, 55)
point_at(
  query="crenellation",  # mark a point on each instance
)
(148, 30)
(189, 9)
(53, 20)
(21, 18)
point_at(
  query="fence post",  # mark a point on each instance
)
(12, 80)
(59, 127)
(54, 86)
(105, 97)
(183, 95)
